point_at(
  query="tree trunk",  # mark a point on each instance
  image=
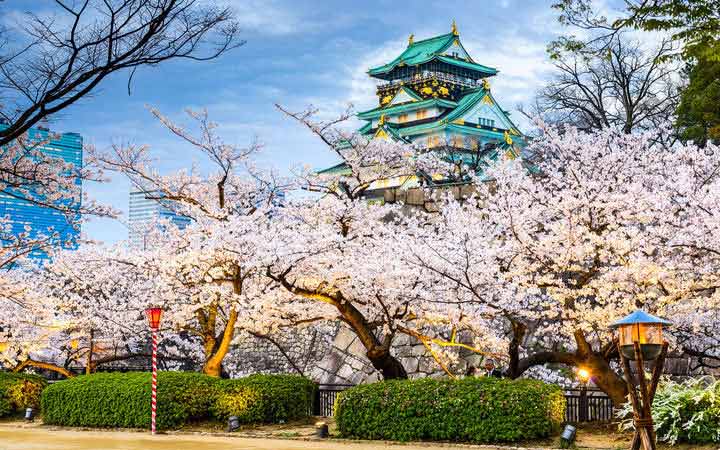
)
(90, 365)
(606, 379)
(519, 329)
(43, 365)
(213, 362)
(594, 362)
(387, 364)
(377, 352)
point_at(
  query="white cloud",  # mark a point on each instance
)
(268, 17)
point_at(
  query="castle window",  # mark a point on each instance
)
(433, 141)
(421, 114)
(486, 122)
(402, 118)
(457, 141)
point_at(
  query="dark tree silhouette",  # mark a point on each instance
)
(50, 62)
(615, 83)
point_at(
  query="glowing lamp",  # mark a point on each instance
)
(643, 328)
(153, 315)
(583, 375)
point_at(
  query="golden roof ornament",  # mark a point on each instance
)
(454, 28)
(508, 139)
(411, 39)
(485, 84)
(381, 121)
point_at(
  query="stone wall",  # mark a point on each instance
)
(293, 351)
(345, 362)
(333, 355)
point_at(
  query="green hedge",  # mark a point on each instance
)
(19, 391)
(264, 398)
(481, 410)
(123, 399)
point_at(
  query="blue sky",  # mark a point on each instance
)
(298, 54)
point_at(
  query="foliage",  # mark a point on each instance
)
(532, 268)
(19, 391)
(264, 398)
(241, 401)
(616, 82)
(39, 71)
(123, 400)
(698, 115)
(694, 22)
(472, 409)
(545, 260)
(684, 412)
(5, 408)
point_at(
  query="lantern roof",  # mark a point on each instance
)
(637, 317)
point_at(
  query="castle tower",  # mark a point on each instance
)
(436, 96)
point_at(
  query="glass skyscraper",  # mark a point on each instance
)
(145, 213)
(38, 220)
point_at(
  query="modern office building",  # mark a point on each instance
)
(145, 213)
(28, 217)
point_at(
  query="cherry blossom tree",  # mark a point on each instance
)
(341, 251)
(545, 259)
(208, 274)
(66, 312)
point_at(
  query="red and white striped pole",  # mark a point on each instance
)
(154, 378)
(153, 315)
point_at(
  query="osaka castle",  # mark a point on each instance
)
(436, 96)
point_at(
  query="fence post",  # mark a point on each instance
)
(316, 400)
(583, 405)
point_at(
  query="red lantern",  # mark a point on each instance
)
(153, 315)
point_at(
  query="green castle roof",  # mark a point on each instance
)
(428, 49)
(405, 107)
(457, 110)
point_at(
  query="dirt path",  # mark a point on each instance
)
(36, 438)
(22, 436)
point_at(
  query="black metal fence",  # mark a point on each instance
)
(324, 404)
(583, 405)
(588, 405)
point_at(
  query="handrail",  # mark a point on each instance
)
(429, 75)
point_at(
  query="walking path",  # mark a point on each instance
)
(18, 435)
(37, 438)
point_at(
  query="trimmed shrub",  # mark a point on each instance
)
(5, 408)
(19, 391)
(481, 410)
(264, 398)
(684, 412)
(242, 401)
(123, 400)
